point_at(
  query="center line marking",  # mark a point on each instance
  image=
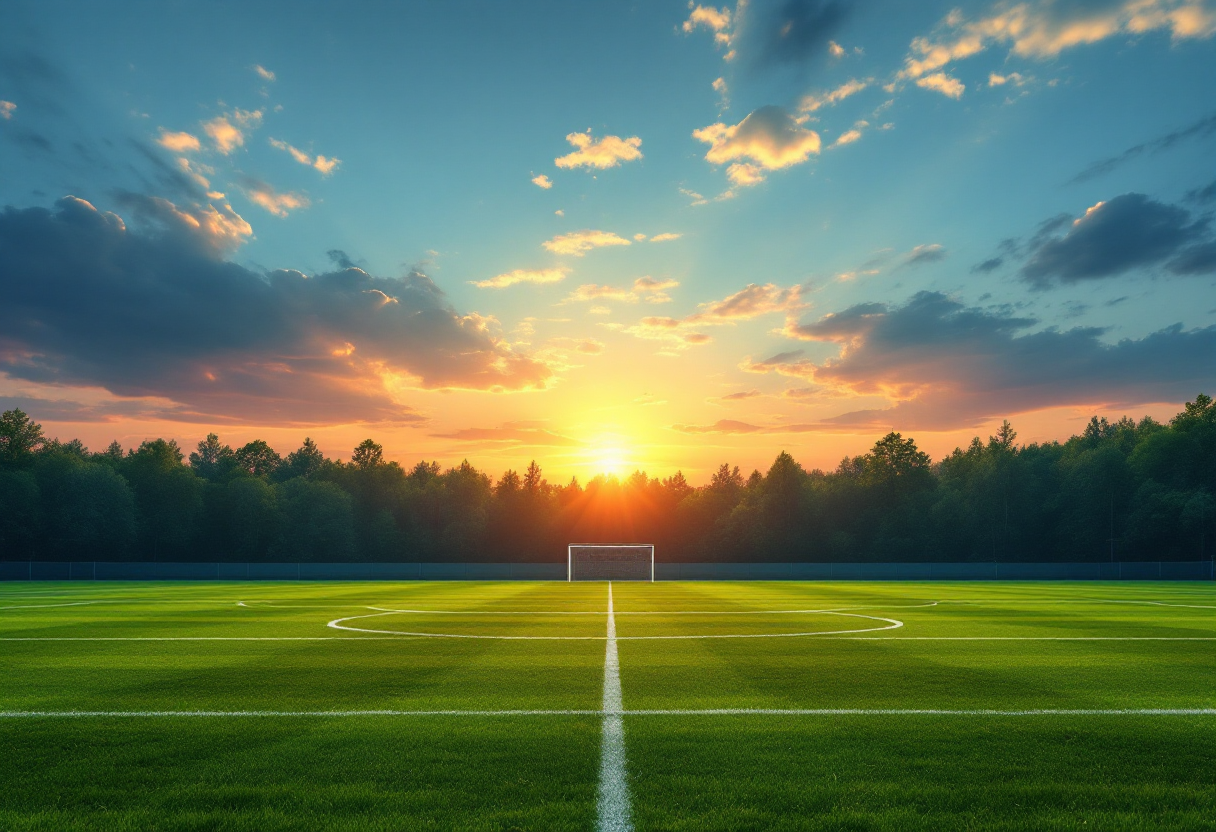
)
(612, 807)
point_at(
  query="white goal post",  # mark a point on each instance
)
(610, 562)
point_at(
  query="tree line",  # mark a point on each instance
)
(1121, 490)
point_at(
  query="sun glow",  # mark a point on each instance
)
(610, 460)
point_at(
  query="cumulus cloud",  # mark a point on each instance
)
(664, 237)
(943, 83)
(265, 196)
(227, 132)
(578, 243)
(607, 152)
(542, 181)
(158, 311)
(178, 142)
(813, 101)
(325, 164)
(716, 20)
(768, 138)
(7, 108)
(944, 365)
(1112, 237)
(1045, 28)
(511, 278)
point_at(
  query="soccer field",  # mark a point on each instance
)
(378, 706)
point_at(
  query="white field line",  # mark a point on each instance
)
(693, 712)
(407, 637)
(650, 612)
(204, 638)
(888, 624)
(1027, 638)
(612, 806)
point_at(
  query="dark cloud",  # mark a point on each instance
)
(1113, 237)
(949, 366)
(1203, 127)
(29, 140)
(1205, 194)
(788, 32)
(987, 266)
(157, 311)
(165, 178)
(1200, 259)
(33, 82)
(340, 259)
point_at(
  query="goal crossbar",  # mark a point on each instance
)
(610, 562)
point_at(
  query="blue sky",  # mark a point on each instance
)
(876, 218)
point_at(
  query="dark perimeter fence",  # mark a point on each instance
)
(113, 571)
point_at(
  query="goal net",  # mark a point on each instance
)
(625, 562)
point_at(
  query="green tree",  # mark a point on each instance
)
(318, 522)
(168, 499)
(304, 461)
(367, 454)
(212, 460)
(257, 459)
(20, 437)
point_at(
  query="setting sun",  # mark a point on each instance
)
(611, 460)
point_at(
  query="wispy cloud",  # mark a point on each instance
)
(7, 108)
(263, 72)
(652, 289)
(578, 243)
(278, 203)
(814, 101)
(516, 276)
(325, 164)
(1044, 29)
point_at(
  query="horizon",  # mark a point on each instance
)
(607, 237)
(607, 471)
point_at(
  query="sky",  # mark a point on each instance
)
(605, 235)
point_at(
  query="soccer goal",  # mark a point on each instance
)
(615, 562)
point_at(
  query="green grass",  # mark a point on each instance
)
(128, 648)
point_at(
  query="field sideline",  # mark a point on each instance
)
(369, 706)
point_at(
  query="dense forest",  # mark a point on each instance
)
(1121, 490)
